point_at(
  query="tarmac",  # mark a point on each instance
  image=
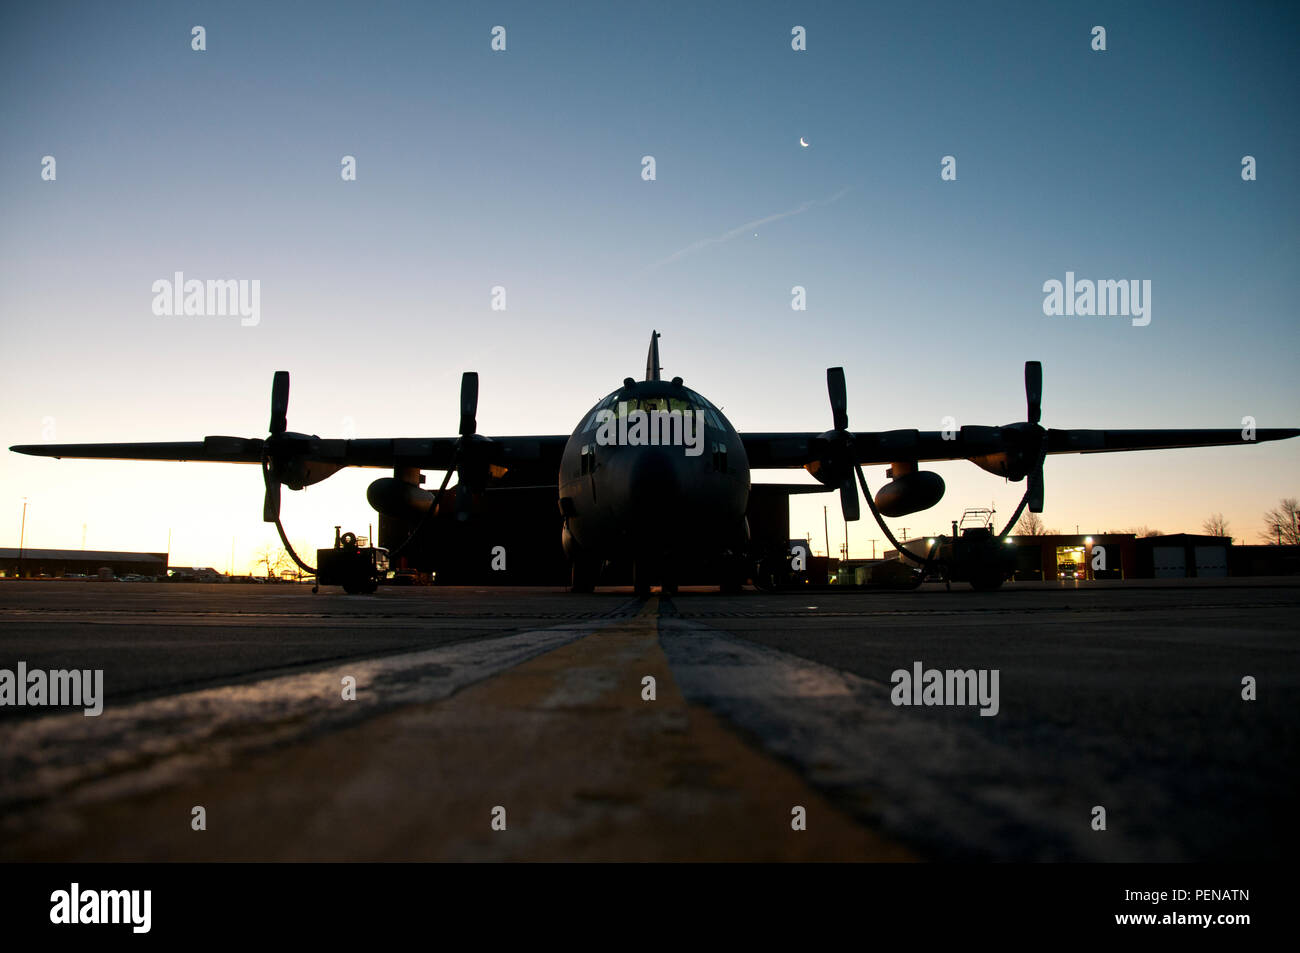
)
(535, 724)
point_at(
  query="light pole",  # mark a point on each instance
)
(826, 528)
(22, 538)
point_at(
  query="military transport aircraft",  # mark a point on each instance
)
(653, 476)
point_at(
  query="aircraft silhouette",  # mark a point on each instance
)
(635, 482)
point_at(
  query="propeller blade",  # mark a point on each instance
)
(280, 403)
(1035, 490)
(271, 502)
(839, 398)
(849, 499)
(464, 501)
(468, 403)
(1034, 391)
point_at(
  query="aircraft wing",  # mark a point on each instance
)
(765, 450)
(540, 453)
(787, 450)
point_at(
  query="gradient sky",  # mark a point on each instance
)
(522, 169)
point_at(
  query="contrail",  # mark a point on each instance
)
(748, 226)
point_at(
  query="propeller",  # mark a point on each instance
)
(1034, 390)
(840, 443)
(279, 403)
(465, 463)
(462, 463)
(464, 458)
(271, 463)
(1034, 402)
(1028, 439)
(280, 448)
(468, 404)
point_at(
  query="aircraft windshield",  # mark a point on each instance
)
(649, 404)
(623, 405)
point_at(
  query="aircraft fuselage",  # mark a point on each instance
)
(655, 474)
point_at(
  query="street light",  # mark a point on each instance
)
(22, 537)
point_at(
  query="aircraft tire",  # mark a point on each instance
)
(641, 579)
(582, 576)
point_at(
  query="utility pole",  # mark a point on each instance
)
(826, 527)
(22, 537)
(873, 549)
(903, 538)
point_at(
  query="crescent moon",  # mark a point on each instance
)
(802, 143)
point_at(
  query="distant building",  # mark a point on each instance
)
(56, 563)
(1264, 561)
(1125, 556)
(195, 574)
(1081, 556)
(1182, 556)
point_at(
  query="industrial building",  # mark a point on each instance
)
(1125, 556)
(31, 563)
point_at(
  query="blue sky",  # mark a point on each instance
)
(522, 169)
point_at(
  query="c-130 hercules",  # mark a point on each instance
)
(636, 482)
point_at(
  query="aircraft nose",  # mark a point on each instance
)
(655, 486)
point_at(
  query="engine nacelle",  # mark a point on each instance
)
(1012, 466)
(300, 473)
(398, 498)
(910, 493)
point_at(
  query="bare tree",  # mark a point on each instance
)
(1031, 524)
(1282, 523)
(271, 558)
(1141, 531)
(1215, 525)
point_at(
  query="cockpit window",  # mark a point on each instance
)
(651, 404)
(622, 404)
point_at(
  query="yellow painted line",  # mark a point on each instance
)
(564, 742)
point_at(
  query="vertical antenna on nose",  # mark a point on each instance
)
(652, 359)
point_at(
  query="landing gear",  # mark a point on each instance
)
(582, 575)
(986, 582)
(641, 581)
(733, 576)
